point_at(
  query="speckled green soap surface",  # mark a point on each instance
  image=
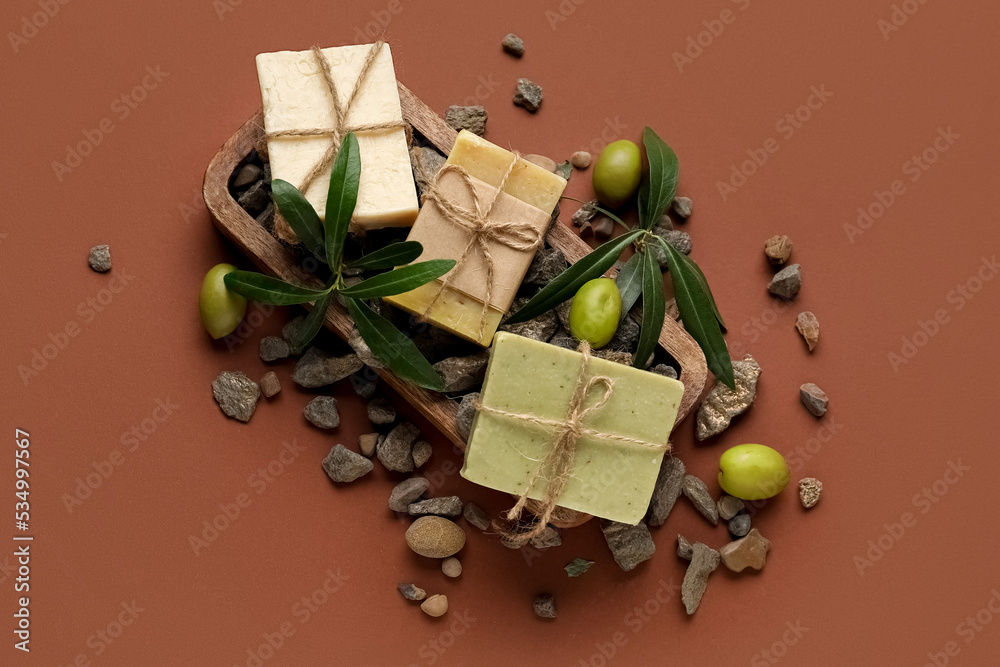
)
(610, 479)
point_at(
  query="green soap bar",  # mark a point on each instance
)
(610, 479)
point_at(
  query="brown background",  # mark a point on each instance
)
(896, 430)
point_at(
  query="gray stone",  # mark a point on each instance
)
(269, 385)
(562, 311)
(603, 227)
(407, 492)
(667, 489)
(513, 45)
(256, 198)
(684, 548)
(381, 411)
(729, 506)
(426, 163)
(236, 394)
(471, 118)
(322, 412)
(787, 282)
(475, 515)
(364, 352)
(463, 373)
(723, 404)
(99, 258)
(291, 331)
(547, 264)
(704, 561)
(466, 413)
(528, 95)
(318, 368)
(450, 506)
(396, 451)
(422, 453)
(585, 213)
(739, 525)
(343, 465)
(814, 398)
(547, 539)
(411, 592)
(626, 338)
(541, 328)
(564, 340)
(630, 545)
(696, 491)
(683, 207)
(273, 348)
(545, 606)
(247, 176)
(680, 240)
(664, 370)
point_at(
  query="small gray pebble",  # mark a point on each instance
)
(739, 525)
(407, 492)
(421, 453)
(381, 411)
(729, 506)
(528, 95)
(477, 516)
(630, 545)
(814, 398)
(343, 465)
(247, 176)
(450, 506)
(99, 258)
(684, 548)
(513, 45)
(787, 282)
(318, 368)
(411, 592)
(665, 370)
(471, 118)
(545, 606)
(463, 373)
(683, 207)
(396, 451)
(236, 394)
(322, 412)
(698, 494)
(256, 198)
(273, 348)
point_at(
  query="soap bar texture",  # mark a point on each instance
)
(528, 198)
(296, 97)
(610, 479)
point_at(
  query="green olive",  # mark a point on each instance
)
(617, 173)
(221, 310)
(595, 311)
(753, 472)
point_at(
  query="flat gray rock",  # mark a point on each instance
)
(343, 465)
(273, 348)
(787, 282)
(513, 45)
(426, 163)
(463, 373)
(541, 328)
(322, 412)
(704, 561)
(318, 368)
(476, 515)
(407, 492)
(696, 491)
(364, 352)
(723, 404)
(667, 490)
(814, 398)
(626, 338)
(396, 451)
(466, 413)
(630, 545)
(236, 394)
(547, 264)
(450, 506)
(471, 118)
(528, 95)
(422, 453)
(664, 370)
(99, 258)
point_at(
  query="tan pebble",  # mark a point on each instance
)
(814, 398)
(749, 551)
(546, 163)
(269, 385)
(810, 490)
(580, 159)
(435, 605)
(367, 443)
(778, 249)
(808, 327)
(421, 453)
(435, 537)
(452, 567)
(729, 507)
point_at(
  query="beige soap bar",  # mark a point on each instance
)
(296, 97)
(610, 479)
(458, 311)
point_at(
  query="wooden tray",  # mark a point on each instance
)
(277, 260)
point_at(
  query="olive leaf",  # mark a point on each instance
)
(313, 322)
(629, 281)
(565, 285)
(265, 289)
(342, 197)
(300, 215)
(659, 184)
(403, 279)
(392, 255)
(694, 302)
(393, 348)
(654, 310)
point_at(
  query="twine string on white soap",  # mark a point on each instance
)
(483, 229)
(340, 111)
(561, 455)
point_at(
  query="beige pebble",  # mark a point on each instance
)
(421, 453)
(778, 249)
(435, 605)
(435, 537)
(452, 567)
(580, 159)
(810, 490)
(367, 443)
(546, 163)
(749, 551)
(808, 327)
(269, 385)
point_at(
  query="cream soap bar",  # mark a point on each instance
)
(456, 311)
(610, 479)
(296, 97)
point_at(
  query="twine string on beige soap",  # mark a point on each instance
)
(559, 460)
(484, 229)
(340, 111)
